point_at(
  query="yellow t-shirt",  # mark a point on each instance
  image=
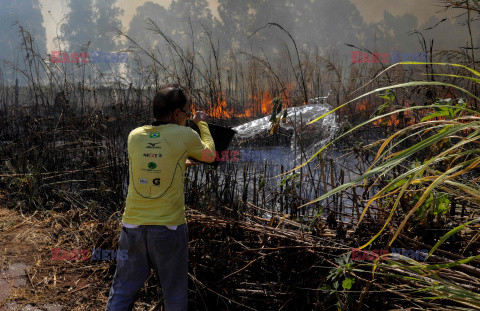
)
(157, 156)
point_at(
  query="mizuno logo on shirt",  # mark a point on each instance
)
(153, 146)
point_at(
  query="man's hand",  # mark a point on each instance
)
(189, 163)
(200, 116)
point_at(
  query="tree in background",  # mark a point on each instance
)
(78, 30)
(324, 24)
(107, 22)
(281, 12)
(107, 18)
(92, 26)
(29, 16)
(188, 16)
(394, 33)
(234, 23)
(140, 26)
(328, 24)
(146, 38)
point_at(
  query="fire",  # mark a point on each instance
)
(221, 110)
(264, 101)
(395, 120)
(248, 113)
(258, 104)
(399, 119)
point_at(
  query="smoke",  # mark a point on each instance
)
(327, 25)
(372, 10)
(130, 8)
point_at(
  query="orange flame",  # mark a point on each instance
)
(395, 120)
(259, 104)
(221, 110)
(263, 100)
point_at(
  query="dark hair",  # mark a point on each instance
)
(168, 98)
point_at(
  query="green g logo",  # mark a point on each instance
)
(152, 165)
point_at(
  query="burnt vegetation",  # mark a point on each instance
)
(254, 243)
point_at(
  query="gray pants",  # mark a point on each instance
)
(149, 247)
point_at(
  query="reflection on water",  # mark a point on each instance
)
(312, 136)
(277, 155)
(297, 119)
(266, 161)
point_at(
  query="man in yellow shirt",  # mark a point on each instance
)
(154, 230)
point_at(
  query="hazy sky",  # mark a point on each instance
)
(371, 11)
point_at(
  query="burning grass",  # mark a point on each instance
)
(253, 245)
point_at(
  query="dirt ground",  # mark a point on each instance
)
(233, 265)
(23, 251)
(30, 277)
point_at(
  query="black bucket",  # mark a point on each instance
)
(222, 136)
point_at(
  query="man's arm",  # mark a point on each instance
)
(202, 148)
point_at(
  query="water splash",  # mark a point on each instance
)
(313, 136)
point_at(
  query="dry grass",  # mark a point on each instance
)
(226, 260)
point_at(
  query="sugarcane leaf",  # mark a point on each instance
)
(450, 233)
